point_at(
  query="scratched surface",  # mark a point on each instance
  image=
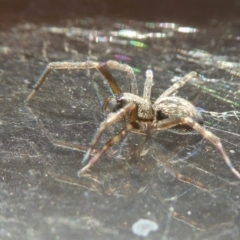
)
(41, 195)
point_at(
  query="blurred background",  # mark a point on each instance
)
(196, 11)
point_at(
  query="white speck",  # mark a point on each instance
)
(171, 209)
(143, 227)
(189, 213)
(232, 151)
(86, 194)
(187, 30)
(73, 106)
(1, 123)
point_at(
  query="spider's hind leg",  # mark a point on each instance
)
(180, 84)
(172, 122)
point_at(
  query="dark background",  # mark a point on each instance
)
(196, 11)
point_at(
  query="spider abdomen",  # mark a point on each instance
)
(176, 107)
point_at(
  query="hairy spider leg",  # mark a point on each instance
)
(106, 102)
(148, 84)
(110, 79)
(146, 91)
(130, 126)
(128, 110)
(179, 84)
(172, 122)
(125, 68)
(74, 65)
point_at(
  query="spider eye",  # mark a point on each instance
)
(161, 115)
(119, 102)
(119, 97)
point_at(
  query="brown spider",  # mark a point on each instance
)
(166, 112)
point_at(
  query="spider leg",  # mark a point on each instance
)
(106, 102)
(172, 122)
(74, 65)
(148, 85)
(125, 68)
(180, 84)
(128, 110)
(113, 140)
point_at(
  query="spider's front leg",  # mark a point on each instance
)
(124, 68)
(74, 65)
(173, 122)
(129, 111)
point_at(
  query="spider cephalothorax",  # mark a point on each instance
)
(167, 112)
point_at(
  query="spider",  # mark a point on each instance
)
(139, 113)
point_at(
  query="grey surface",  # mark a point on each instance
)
(41, 195)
